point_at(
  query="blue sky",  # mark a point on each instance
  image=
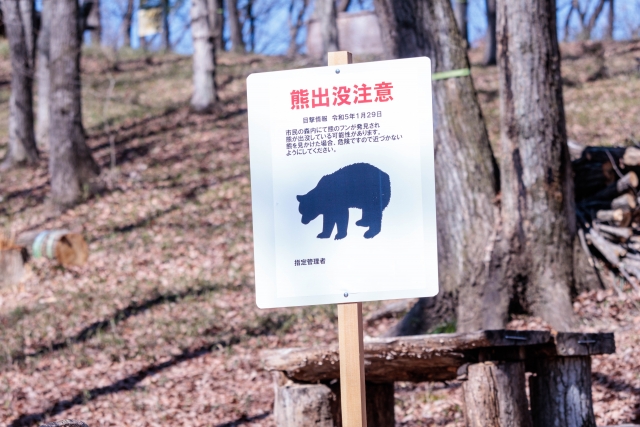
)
(272, 35)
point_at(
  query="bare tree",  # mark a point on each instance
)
(325, 13)
(216, 23)
(587, 22)
(296, 21)
(461, 12)
(204, 58)
(125, 28)
(538, 220)
(71, 165)
(18, 21)
(94, 23)
(166, 31)
(610, 20)
(44, 37)
(235, 29)
(466, 172)
(250, 16)
(491, 47)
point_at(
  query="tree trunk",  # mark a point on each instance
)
(42, 122)
(326, 15)
(561, 393)
(166, 33)
(538, 217)
(204, 59)
(611, 19)
(235, 29)
(343, 5)
(71, 165)
(466, 172)
(94, 22)
(296, 20)
(491, 46)
(495, 395)
(126, 24)
(252, 26)
(216, 23)
(18, 21)
(461, 8)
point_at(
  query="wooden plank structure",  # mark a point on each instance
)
(492, 365)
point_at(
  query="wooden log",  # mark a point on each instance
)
(624, 184)
(631, 156)
(68, 248)
(495, 395)
(435, 357)
(618, 233)
(625, 202)
(560, 392)
(618, 217)
(610, 251)
(305, 405)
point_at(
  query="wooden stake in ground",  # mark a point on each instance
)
(354, 412)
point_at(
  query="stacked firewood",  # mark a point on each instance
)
(607, 206)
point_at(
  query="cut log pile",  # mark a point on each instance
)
(607, 207)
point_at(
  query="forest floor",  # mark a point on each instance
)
(161, 327)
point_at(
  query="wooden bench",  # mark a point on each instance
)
(492, 365)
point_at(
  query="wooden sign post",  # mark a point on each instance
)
(350, 336)
(343, 194)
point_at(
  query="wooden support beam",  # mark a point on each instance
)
(495, 395)
(352, 388)
(560, 392)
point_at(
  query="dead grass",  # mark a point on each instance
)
(161, 325)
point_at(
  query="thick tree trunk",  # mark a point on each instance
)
(491, 48)
(495, 395)
(461, 9)
(326, 15)
(42, 122)
(71, 165)
(216, 23)
(126, 24)
(18, 21)
(466, 172)
(204, 58)
(561, 393)
(235, 29)
(537, 193)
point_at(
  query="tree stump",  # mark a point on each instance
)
(11, 266)
(305, 405)
(561, 393)
(495, 395)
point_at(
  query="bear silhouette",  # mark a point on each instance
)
(359, 185)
